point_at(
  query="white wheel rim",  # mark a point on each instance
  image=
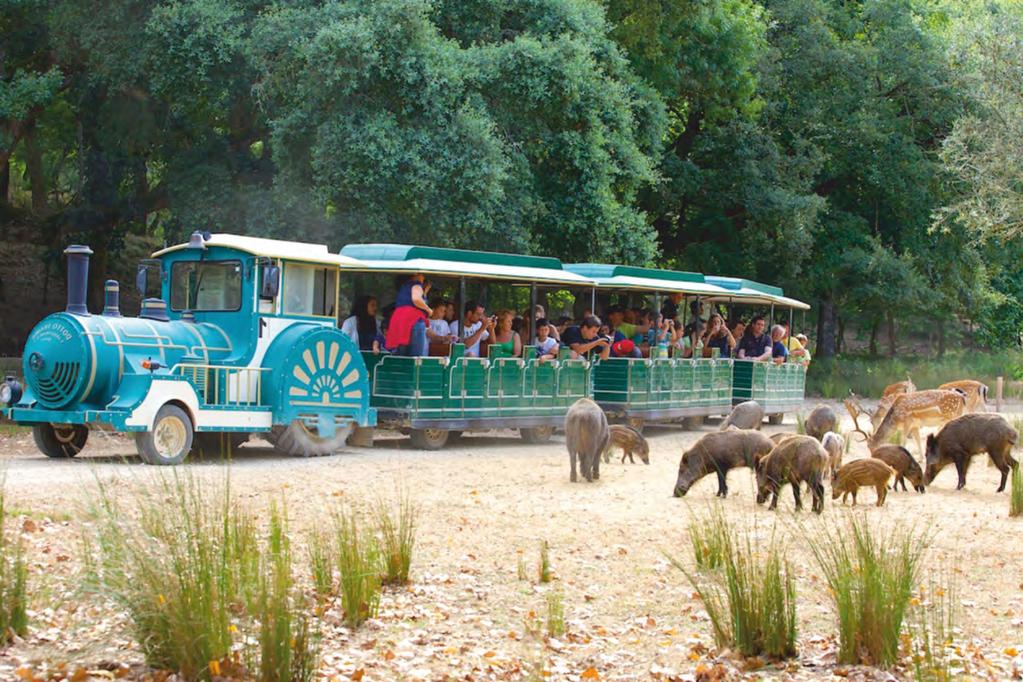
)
(169, 437)
(544, 430)
(434, 435)
(64, 435)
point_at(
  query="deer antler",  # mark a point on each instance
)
(853, 407)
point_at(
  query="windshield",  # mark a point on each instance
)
(206, 285)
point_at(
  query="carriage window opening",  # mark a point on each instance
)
(206, 285)
(309, 290)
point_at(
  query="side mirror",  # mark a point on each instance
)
(271, 282)
(142, 279)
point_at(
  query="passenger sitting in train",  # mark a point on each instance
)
(717, 336)
(406, 334)
(620, 332)
(451, 316)
(696, 309)
(805, 342)
(738, 328)
(505, 341)
(546, 346)
(474, 328)
(661, 334)
(540, 314)
(439, 330)
(584, 341)
(362, 327)
(792, 344)
(779, 353)
(690, 345)
(564, 322)
(669, 310)
(755, 344)
(633, 324)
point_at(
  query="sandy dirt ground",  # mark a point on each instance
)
(486, 504)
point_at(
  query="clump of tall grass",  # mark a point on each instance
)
(870, 574)
(13, 578)
(544, 572)
(751, 598)
(931, 629)
(1016, 492)
(199, 582)
(709, 537)
(358, 562)
(800, 424)
(321, 564)
(555, 614)
(397, 530)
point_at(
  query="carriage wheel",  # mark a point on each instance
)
(775, 419)
(170, 439)
(298, 440)
(60, 440)
(535, 435)
(428, 439)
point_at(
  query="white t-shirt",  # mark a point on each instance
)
(351, 327)
(440, 327)
(474, 349)
(546, 346)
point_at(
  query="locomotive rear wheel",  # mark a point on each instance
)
(775, 419)
(60, 440)
(170, 439)
(535, 435)
(298, 440)
(214, 444)
(429, 439)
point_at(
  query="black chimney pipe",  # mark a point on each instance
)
(111, 298)
(77, 278)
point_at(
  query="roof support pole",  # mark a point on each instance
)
(531, 317)
(461, 309)
(593, 301)
(772, 314)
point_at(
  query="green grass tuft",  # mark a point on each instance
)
(13, 578)
(870, 574)
(800, 424)
(931, 630)
(398, 534)
(321, 564)
(1016, 492)
(358, 561)
(751, 599)
(709, 537)
(544, 572)
(555, 614)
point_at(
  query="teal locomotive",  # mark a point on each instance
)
(242, 339)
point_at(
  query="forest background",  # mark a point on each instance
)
(866, 155)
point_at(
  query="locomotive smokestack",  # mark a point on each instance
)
(111, 298)
(77, 278)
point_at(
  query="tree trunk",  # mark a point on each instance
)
(891, 333)
(941, 340)
(839, 334)
(826, 320)
(36, 176)
(872, 349)
(5, 182)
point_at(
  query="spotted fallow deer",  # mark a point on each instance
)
(910, 412)
(976, 393)
(891, 392)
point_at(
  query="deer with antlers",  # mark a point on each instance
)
(909, 412)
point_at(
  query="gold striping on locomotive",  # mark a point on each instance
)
(320, 352)
(334, 348)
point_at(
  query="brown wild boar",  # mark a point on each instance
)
(747, 415)
(821, 420)
(717, 453)
(969, 435)
(905, 465)
(794, 460)
(779, 437)
(586, 436)
(629, 440)
(834, 444)
(862, 472)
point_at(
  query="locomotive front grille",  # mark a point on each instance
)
(57, 389)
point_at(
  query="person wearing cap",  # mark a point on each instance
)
(622, 344)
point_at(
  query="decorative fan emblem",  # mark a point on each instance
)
(323, 377)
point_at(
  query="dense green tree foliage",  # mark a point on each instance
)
(865, 155)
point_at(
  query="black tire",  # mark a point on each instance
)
(535, 435)
(60, 441)
(692, 423)
(429, 439)
(297, 440)
(170, 439)
(216, 444)
(775, 419)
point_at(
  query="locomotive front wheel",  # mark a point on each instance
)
(298, 440)
(214, 444)
(775, 419)
(60, 440)
(170, 439)
(536, 434)
(429, 439)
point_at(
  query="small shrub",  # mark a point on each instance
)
(1016, 492)
(545, 573)
(800, 424)
(751, 601)
(931, 628)
(555, 614)
(358, 561)
(398, 534)
(709, 537)
(321, 564)
(521, 571)
(13, 578)
(870, 574)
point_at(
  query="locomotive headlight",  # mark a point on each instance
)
(10, 391)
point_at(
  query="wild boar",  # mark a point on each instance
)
(862, 472)
(821, 420)
(905, 465)
(779, 437)
(717, 453)
(971, 434)
(586, 436)
(629, 440)
(747, 415)
(834, 444)
(794, 460)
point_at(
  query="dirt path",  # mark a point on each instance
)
(487, 502)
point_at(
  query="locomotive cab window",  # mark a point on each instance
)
(206, 285)
(309, 290)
